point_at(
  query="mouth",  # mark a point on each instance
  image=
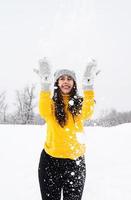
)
(66, 87)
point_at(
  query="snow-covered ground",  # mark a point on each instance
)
(108, 160)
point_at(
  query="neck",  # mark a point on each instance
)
(65, 95)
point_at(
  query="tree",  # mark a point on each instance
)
(24, 106)
(3, 108)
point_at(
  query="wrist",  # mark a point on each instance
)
(87, 87)
(88, 83)
(45, 86)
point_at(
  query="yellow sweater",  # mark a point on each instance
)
(62, 142)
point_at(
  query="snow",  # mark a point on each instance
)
(108, 160)
(72, 173)
(71, 102)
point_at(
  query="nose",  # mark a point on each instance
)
(65, 80)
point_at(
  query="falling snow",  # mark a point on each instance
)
(71, 102)
(67, 129)
(72, 173)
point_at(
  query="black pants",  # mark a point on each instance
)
(56, 174)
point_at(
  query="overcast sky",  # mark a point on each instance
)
(68, 32)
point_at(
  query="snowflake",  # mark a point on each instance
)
(71, 102)
(72, 173)
(75, 97)
(67, 129)
(78, 162)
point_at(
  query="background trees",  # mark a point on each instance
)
(26, 102)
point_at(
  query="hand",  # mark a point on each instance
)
(44, 73)
(89, 75)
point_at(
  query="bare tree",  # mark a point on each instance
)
(3, 108)
(24, 106)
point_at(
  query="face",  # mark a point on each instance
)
(65, 83)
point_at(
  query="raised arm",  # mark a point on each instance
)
(45, 104)
(45, 101)
(88, 104)
(88, 90)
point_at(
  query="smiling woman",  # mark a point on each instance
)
(66, 89)
(62, 162)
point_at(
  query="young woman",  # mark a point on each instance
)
(62, 162)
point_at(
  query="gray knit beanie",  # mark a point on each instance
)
(61, 72)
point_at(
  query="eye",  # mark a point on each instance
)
(69, 78)
(61, 78)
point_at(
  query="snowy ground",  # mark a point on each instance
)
(108, 161)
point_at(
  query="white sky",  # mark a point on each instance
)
(67, 32)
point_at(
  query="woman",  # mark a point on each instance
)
(62, 162)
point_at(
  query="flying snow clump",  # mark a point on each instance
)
(71, 102)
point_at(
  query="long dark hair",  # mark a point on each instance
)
(74, 105)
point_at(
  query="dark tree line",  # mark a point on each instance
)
(26, 102)
(112, 118)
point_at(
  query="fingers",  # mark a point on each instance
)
(44, 64)
(44, 68)
(43, 60)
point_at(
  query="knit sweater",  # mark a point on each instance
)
(62, 142)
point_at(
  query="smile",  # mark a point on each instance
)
(66, 87)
